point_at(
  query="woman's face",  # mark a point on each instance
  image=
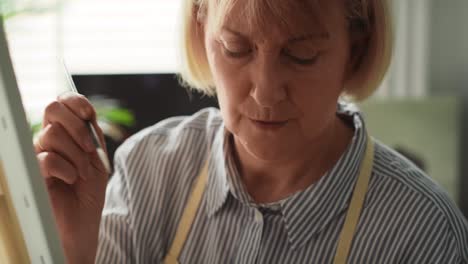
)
(278, 90)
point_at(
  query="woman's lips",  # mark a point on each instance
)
(269, 125)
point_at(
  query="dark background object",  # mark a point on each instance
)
(151, 97)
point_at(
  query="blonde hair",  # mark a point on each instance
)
(371, 17)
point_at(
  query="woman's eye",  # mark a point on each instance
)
(235, 49)
(302, 60)
(236, 53)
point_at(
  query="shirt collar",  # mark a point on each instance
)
(307, 212)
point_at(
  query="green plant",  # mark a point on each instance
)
(115, 115)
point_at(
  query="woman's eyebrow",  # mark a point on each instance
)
(310, 36)
(316, 36)
(234, 32)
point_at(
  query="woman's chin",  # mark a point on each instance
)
(267, 151)
(267, 146)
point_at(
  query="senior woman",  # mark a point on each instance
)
(284, 172)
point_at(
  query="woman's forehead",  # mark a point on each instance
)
(262, 17)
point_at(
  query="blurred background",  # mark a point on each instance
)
(123, 56)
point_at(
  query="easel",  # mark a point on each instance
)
(12, 245)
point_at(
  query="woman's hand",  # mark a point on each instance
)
(74, 175)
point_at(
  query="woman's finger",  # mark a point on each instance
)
(78, 104)
(81, 107)
(57, 112)
(53, 165)
(55, 138)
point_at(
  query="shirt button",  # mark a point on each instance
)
(258, 216)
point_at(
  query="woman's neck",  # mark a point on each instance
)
(272, 181)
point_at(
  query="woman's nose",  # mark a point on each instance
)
(268, 82)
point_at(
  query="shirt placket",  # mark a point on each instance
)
(249, 246)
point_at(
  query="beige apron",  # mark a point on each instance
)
(347, 233)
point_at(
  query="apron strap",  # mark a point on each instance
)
(187, 217)
(356, 205)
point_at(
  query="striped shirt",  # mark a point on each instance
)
(407, 218)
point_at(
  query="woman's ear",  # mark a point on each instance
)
(201, 28)
(197, 50)
(358, 50)
(199, 18)
(199, 15)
